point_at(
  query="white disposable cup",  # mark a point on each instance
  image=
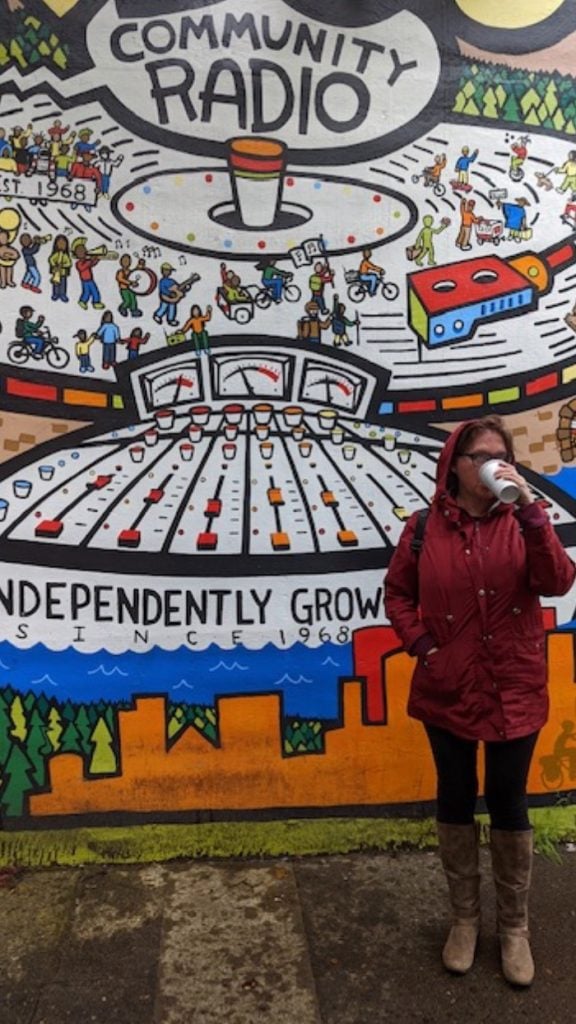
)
(46, 472)
(349, 451)
(21, 488)
(4, 506)
(504, 490)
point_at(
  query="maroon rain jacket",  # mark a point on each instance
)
(473, 593)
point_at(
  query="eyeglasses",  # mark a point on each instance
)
(481, 458)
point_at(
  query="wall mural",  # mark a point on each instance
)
(255, 261)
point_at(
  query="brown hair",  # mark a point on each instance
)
(487, 424)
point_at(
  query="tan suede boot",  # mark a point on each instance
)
(459, 853)
(512, 869)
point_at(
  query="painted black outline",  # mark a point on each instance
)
(337, 179)
(359, 152)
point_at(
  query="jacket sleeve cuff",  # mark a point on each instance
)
(532, 515)
(422, 645)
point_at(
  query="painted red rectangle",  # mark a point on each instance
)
(550, 380)
(129, 538)
(207, 541)
(155, 495)
(549, 618)
(213, 507)
(49, 528)
(428, 405)
(27, 389)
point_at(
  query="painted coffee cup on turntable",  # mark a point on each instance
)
(256, 168)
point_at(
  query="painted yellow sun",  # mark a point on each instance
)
(511, 13)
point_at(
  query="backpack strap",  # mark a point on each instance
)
(418, 538)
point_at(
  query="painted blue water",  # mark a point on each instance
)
(565, 480)
(307, 677)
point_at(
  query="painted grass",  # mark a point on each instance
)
(146, 843)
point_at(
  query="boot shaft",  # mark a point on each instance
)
(460, 859)
(512, 854)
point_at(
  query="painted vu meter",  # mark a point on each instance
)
(254, 376)
(171, 385)
(329, 385)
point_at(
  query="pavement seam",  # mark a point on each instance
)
(304, 929)
(159, 959)
(66, 930)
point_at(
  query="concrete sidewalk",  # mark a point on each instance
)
(350, 939)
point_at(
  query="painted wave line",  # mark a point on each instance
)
(107, 672)
(288, 679)
(229, 668)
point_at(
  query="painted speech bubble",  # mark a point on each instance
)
(191, 76)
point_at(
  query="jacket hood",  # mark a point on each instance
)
(447, 456)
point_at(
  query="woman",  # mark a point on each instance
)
(196, 323)
(467, 607)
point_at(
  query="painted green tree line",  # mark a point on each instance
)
(536, 99)
(34, 728)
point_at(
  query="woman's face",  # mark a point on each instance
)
(489, 444)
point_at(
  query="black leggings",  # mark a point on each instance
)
(507, 765)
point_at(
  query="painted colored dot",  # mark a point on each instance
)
(228, 243)
(397, 214)
(129, 207)
(191, 237)
(255, 532)
(314, 508)
(106, 526)
(38, 515)
(209, 178)
(290, 182)
(180, 533)
(261, 244)
(126, 501)
(387, 528)
(131, 428)
(322, 531)
(61, 462)
(379, 231)
(346, 190)
(75, 455)
(376, 199)
(147, 190)
(351, 239)
(64, 490)
(317, 185)
(154, 225)
(178, 180)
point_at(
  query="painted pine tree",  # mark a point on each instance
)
(18, 781)
(103, 760)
